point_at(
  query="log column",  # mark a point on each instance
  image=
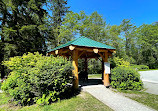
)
(102, 69)
(106, 76)
(75, 68)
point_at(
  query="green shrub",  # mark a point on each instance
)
(139, 67)
(125, 78)
(37, 79)
(120, 62)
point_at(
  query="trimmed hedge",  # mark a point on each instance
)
(125, 78)
(37, 79)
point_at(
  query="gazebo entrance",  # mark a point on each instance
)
(83, 47)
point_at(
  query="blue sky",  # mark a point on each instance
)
(114, 11)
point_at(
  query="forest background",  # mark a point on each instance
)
(41, 25)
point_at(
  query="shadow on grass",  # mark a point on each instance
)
(69, 93)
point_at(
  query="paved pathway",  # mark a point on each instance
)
(149, 76)
(150, 80)
(114, 100)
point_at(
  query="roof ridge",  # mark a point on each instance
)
(84, 41)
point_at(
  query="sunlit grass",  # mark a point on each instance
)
(150, 100)
(94, 75)
(81, 102)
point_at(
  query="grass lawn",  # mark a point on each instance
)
(82, 102)
(147, 99)
(94, 76)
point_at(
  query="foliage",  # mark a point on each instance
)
(148, 45)
(4, 98)
(0, 85)
(114, 40)
(22, 28)
(92, 26)
(120, 62)
(37, 78)
(94, 66)
(125, 78)
(28, 26)
(58, 9)
(139, 67)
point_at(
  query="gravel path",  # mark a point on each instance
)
(114, 100)
(151, 87)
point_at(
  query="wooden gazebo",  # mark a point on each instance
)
(83, 47)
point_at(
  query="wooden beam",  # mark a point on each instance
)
(109, 54)
(52, 52)
(63, 51)
(112, 50)
(90, 49)
(99, 59)
(102, 69)
(102, 56)
(81, 53)
(75, 70)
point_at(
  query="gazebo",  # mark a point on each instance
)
(86, 48)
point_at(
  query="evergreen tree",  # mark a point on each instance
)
(59, 10)
(4, 15)
(22, 27)
(148, 45)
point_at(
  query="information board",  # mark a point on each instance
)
(107, 67)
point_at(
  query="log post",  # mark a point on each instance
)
(106, 76)
(75, 70)
(102, 69)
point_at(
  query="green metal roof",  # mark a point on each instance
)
(83, 41)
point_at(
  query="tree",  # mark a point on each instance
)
(3, 19)
(148, 45)
(58, 9)
(116, 41)
(92, 26)
(22, 27)
(128, 33)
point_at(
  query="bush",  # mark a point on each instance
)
(139, 67)
(120, 62)
(0, 85)
(37, 79)
(125, 78)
